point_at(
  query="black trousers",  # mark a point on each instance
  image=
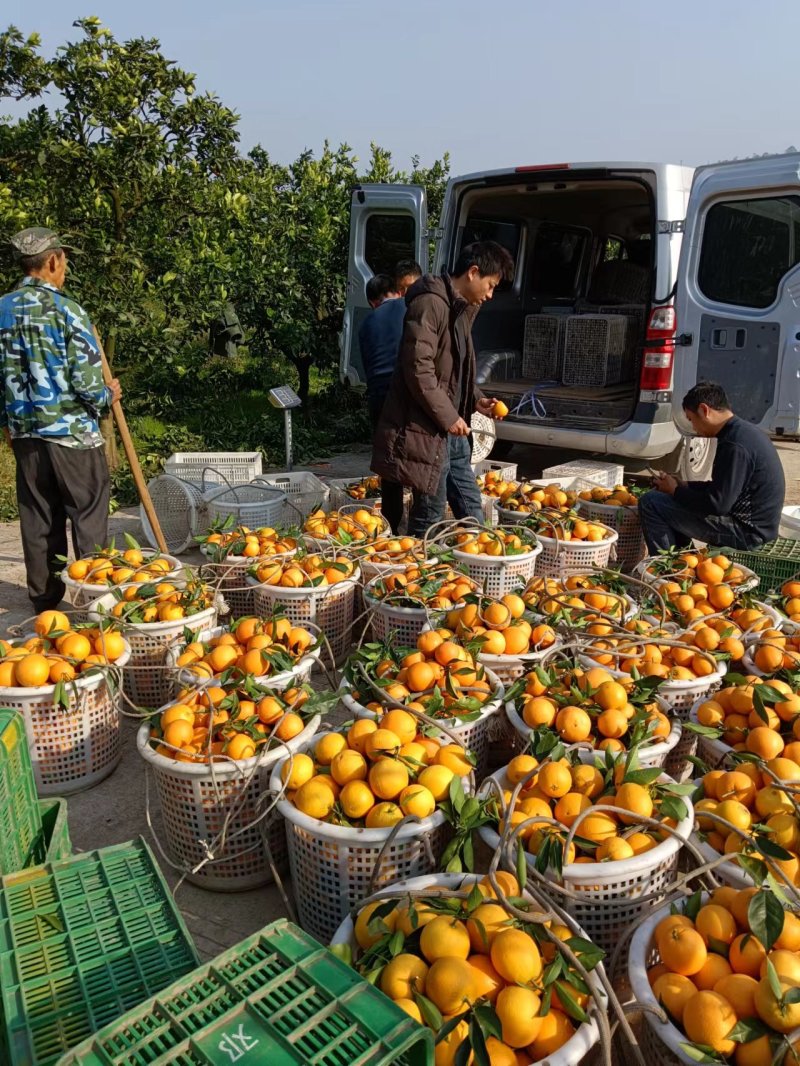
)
(55, 483)
(391, 491)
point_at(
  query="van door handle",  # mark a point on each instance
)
(728, 338)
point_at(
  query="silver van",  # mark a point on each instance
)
(633, 281)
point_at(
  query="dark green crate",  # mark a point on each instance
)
(55, 829)
(278, 998)
(774, 562)
(82, 941)
(21, 840)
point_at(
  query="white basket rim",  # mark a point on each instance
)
(490, 707)
(304, 592)
(225, 767)
(752, 580)
(306, 661)
(177, 569)
(154, 628)
(499, 561)
(234, 560)
(668, 685)
(82, 681)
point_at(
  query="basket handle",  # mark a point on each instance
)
(219, 474)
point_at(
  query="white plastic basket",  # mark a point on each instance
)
(180, 509)
(509, 667)
(586, 1036)
(561, 557)
(339, 496)
(230, 577)
(331, 607)
(332, 866)
(679, 695)
(405, 622)
(649, 756)
(473, 736)
(605, 475)
(147, 681)
(661, 1041)
(751, 578)
(611, 892)
(631, 547)
(488, 510)
(252, 505)
(304, 493)
(184, 678)
(499, 574)
(74, 748)
(224, 468)
(196, 800)
(507, 471)
(82, 594)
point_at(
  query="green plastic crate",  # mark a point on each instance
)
(21, 840)
(277, 998)
(81, 942)
(774, 562)
(55, 829)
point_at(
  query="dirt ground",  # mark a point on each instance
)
(124, 805)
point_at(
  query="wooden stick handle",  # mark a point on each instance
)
(130, 452)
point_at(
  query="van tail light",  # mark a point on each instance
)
(659, 351)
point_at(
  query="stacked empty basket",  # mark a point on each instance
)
(304, 493)
(81, 942)
(599, 349)
(543, 347)
(278, 997)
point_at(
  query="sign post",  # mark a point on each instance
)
(285, 398)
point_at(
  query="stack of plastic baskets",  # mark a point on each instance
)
(560, 557)
(276, 998)
(81, 942)
(304, 493)
(254, 505)
(631, 547)
(202, 803)
(147, 681)
(75, 746)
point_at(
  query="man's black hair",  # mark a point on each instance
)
(379, 286)
(29, 263)
(406, 267)
(489, 257)
(709, 393)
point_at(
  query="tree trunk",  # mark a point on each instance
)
(302, 365)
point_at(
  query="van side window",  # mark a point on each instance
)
(558, 253)
(387, 240)
(748, 246)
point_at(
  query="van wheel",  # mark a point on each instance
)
(693, 459)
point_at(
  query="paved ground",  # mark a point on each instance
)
(117, 809)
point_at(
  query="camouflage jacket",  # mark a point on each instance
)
(52, 380)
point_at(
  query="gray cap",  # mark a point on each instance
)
(35, 240)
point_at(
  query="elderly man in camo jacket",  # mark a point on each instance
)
(51, 397)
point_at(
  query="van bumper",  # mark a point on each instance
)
(635, 440)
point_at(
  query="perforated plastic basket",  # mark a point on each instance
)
(230, 577)
(560, 557)
(679, 695)
(81, 942)
(406, 622)
(332, 866)
(642, 570)
(198, 801)
(773, 562)
(55, 829)
(180, 509)
(304, 493)
(474, 736)
(276, 999)
(77, 746)
(147, 682)
(507, 471)
(607, 475)
(599, 349)
(543, 347)
(224, 468)
(20, 811)
(253, 505)
(610, 894)
(331, 607)
(631, 547)
(499, 574)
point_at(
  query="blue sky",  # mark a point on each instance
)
(496, 84)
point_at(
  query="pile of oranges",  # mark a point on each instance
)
(373, 775)
(788, 600)
(492, 484)
(715, 971)
(110, 566)
(755, 716)
(345, 527)
(437, 586)
(575, 600)
(589, 706)
(619, 496)
(440, 677)
(695, 568)
(497, 626)
(252, 646)
(749, 796)
(165, 601)
(651, 656)
(234, 720)
(493, 542)
(242, 542)
(568, 527)
(461, 955)
(307, 571)
(775, 650)
(57, 653)
(368, 488)
(526, 498)
(393, 550)
(565, 791)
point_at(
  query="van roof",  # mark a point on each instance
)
(532, 168)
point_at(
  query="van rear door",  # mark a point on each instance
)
(738, 290)
(387, 224)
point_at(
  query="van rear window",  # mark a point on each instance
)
(748, 246)
(558, 252)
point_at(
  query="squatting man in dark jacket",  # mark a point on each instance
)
(423, 433)
(740, 507)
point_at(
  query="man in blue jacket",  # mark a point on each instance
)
(740, 507)
(379, 340)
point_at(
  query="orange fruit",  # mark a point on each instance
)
(707, 1019)
(516, 956)
(32, 671)
(746, 954)
(683, 950)
(518, 1011)
(404, 975)
(674, 991)
(448, 982)
(715, 923)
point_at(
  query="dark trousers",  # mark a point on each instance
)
(457, 486)
(391, 491)
(55, 483)
(666, 524)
